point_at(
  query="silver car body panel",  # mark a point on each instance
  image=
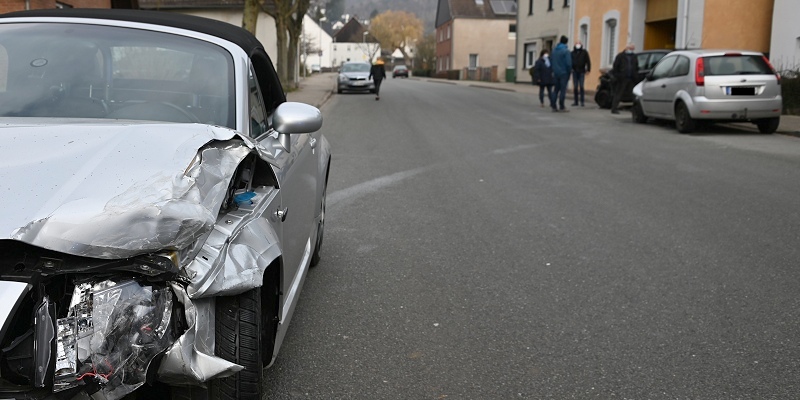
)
(111, 197)
(117, 186)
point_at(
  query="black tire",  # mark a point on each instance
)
(683, 120)
(768, 125)
(603, 99)
(339, 91)
(238, 339)
(315, 257)
(637, 114)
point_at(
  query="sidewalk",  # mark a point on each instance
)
(316, 89)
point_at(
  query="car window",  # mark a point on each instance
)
(654, 59)
(356, 67)
(663, 68)
(736, 65)
(642, 60)
(681, 67)
(255, 103)
(113, 72)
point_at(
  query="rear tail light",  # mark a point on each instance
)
(777, 75)
(700, 72)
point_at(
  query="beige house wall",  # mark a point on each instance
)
(489, 39)
(594, 14)
(533, 28)
(738, 24)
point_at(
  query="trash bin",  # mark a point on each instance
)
(511, 74)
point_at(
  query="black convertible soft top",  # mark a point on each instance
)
(224, 30)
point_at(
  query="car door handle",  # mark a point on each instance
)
(663, 86)
(313, 143)
(280, 214)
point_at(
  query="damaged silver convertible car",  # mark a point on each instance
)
(162, 203)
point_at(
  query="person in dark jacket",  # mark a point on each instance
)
(377, 73)
(625, 71)
(542, 74)
(562, 68)
(581, 65)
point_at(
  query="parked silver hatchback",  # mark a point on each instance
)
(691, 86)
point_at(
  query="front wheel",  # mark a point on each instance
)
(603, 99)
(768, 125)
(637, 113)
(683, 120)
(315, 257)
(239, 324)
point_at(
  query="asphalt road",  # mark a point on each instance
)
(480, 247)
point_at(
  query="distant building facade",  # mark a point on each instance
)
(471, 34)
(319, 44)
(540, 23)
(609, 25)
(784, 49)
(353, 42)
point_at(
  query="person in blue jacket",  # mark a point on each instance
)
(562, 68)
(542, 74)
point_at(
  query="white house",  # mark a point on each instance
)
(354, 43)
(319, 40)
(784, 51)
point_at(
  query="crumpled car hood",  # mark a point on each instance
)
(112, 190)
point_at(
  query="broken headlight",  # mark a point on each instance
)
(111, 334)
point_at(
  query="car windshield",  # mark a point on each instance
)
(736, 65)
(93, 71)
(357, 67)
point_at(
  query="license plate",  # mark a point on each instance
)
(740, 91)
(359, 83)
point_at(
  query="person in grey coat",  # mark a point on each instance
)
(562, 69)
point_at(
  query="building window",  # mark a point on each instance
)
(530, 55)
(583, 35)
(549, 5)
(530, 7)
(473, 61)
(610, 41)
(512, 31)
(512, 61)
(448, 31)
(566, 3)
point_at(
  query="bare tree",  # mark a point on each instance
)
(288, 17)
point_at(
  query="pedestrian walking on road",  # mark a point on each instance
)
(377, 73)
(562, 68)
(542, 74)
(581, 65)
(625, 71)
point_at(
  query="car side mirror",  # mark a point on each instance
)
(293, 118)
(649, 76)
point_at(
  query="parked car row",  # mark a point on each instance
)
(692, 87)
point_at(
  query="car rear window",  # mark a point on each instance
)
(736, 65)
